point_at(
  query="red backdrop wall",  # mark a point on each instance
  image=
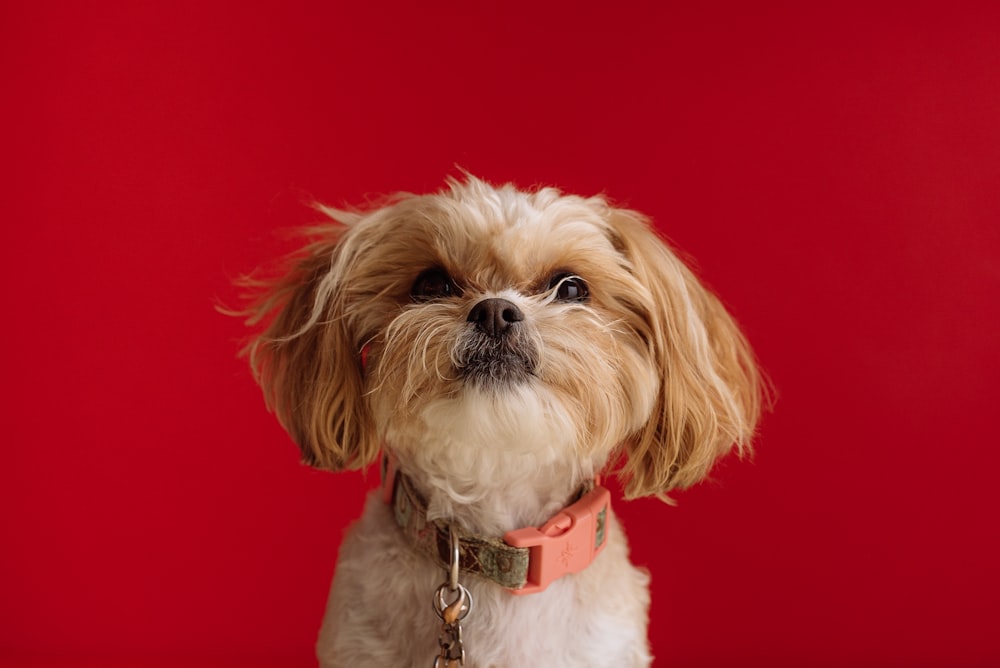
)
(833, 168)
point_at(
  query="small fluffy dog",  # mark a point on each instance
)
(501, 348)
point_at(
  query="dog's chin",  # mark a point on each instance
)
(496, 365)
(497, 372)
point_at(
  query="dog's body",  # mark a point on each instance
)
(503, 347)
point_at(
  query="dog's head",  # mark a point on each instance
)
(480, 325)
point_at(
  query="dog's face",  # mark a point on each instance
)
(480, 325)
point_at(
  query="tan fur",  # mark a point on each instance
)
(712, 389)
(649, 370)
(306, 360)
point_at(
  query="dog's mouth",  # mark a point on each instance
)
(488, 362)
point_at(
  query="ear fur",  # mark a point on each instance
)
(306, 360)
(711, 389)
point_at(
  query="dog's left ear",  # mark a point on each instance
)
(711, 390)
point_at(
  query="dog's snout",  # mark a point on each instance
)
(495, 316)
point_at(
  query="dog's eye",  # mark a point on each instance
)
(432, 284)
(569, 288)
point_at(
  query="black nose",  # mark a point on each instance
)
(494, 316)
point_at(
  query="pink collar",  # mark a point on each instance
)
(525, 561)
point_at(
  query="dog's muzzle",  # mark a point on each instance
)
(496, 351)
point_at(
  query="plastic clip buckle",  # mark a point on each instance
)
(567, 543)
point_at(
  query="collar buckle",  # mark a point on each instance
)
(565, 544)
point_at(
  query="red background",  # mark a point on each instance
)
(834, 169)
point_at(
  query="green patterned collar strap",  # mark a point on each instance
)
(525, 560)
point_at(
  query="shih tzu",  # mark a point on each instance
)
(496, 350)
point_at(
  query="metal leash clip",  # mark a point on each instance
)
(451, 650)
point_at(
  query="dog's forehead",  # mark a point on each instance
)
(517, 238)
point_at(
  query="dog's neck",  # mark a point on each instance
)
(491, 463)
(493, 497)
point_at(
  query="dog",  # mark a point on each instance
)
(497, 350)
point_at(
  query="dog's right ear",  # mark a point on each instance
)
(306, 360)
